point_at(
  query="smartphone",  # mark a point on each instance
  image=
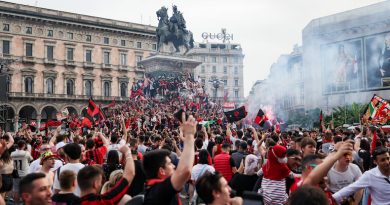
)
(251, 198)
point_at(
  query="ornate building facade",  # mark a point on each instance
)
(221, 70)
(61, 59)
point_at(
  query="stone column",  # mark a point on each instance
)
(38, 121)
(16, 122)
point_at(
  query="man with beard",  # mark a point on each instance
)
(377, 180)
(35, 189)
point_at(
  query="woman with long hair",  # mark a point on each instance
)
(111, 164)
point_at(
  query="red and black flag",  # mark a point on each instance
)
(92, 115)
(236, 115)
(260, 118)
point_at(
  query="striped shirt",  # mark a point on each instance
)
(113, 196)
(274, 191)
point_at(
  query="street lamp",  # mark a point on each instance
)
(216, 84)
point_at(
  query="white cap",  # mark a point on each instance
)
(60, 145)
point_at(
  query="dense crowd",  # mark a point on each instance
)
(146, 151)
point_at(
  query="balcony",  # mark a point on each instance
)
(46, 96)
(123, 68)
(106, 66)
(51, 62)
(89, 65)
(28, 59)
(70, 63)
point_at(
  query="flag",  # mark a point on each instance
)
(207, 123)
(236, 115)
(93, 114)
(33, 125)
(378, 111)
(260, 118)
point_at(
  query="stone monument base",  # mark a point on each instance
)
(168, 64)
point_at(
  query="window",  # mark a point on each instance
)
(235, 59)
(29, 49)
(49, 86)
(106, 57)
(88, 88)
(203, 58)
(88, 56)
(139, 45)
(123, 59)
(138, 59)
(29, 30)
(225, 82)
(69, 54)
(123, 90)
(106, 40)
(28, 85)
(236, 93)
(235, 70)
(214, 69)
(50, 33)
(69, 87)
(5, 27)
(225, 59)
(50, 53)
(154, 46)
(106, 89)
(123, 42)
(6, 47)
(236, 82)
(213, 59)
(202, 70)
(224, 70)
(70, 35)
(88, 38)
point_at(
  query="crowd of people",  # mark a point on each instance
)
(146, 151)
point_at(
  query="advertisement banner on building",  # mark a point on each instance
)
(228, 105)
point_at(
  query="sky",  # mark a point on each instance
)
(265, 29)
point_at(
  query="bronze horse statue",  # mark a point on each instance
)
(168, 32)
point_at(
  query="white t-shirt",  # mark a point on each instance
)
(21, 159)
(36, 165)
(70, 166)
(339, 180)
(199, 169)
(115, 147)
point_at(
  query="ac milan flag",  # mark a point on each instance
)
(260, 118)
(93, 114)
(236, 115)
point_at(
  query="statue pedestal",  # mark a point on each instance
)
(168, 64)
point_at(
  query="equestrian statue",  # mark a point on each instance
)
(173, 30)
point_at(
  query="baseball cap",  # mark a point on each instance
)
(47, 155)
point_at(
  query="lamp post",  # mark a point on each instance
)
(216, 83)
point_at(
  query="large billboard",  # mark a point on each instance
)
(343, 67)
(361, 64)
(378, 61)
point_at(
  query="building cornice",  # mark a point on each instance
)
(77, 20)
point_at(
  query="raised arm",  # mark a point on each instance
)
(183, 171)
(318, 173)
(129, 171)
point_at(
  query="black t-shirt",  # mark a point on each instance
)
(243, 182)
(161, 194)
(138, 184)
(65, 199)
